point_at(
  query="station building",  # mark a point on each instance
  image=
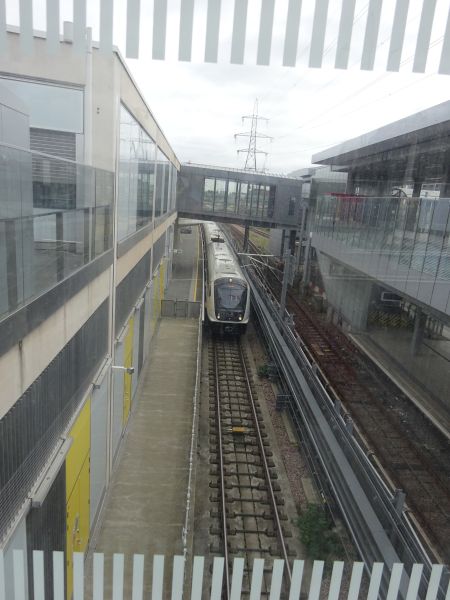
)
(79, 298)
(383, 247)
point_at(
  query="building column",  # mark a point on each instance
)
(419, 329)
(246, 236)
(283, 236)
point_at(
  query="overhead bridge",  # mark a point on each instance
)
(238, 196)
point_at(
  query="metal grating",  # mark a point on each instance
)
(31, 428)
(129, 288)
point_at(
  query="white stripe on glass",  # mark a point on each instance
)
(265, 32)
(345, 34)
(106, 26)
(26, 25)
(424, 35)
(38, 575)
(212, 31)
(186, 25)
(239, 28)
(291, 35)
(159, 29)
(371, 35)
(336, 578)
(133, 12)
(99, 574)
(318, 33)
(397, 35)
(79, 26)
(138, 577)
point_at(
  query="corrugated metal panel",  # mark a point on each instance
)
(46, 530)
(31, 428)
(129, 289)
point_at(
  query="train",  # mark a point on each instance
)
(227, 294)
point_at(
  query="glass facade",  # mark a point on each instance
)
(43, 244)
(147, 179)
(410, 235)
(238, 197)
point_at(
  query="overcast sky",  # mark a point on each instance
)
(199, 106)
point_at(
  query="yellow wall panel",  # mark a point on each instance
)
(162, 277)
(78, 491)
(81, 435)
(128, 362)
(156, 298)
(77, 522)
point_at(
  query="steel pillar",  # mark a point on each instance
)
(305, 279)
(419, 329)
(286, 276)
(246, 237)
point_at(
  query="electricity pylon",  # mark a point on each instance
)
(252, 135)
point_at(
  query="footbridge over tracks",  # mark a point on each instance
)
(238, 196)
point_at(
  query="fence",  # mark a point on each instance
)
(202, 585)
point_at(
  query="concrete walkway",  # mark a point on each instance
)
(145, 507)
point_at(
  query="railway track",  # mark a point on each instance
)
(415, 457)
(249, 513)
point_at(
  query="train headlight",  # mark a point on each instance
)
(240, 318)
(218, 316)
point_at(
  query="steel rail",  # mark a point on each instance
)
(266, 468)
(222, 479)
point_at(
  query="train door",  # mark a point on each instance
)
(77, 491)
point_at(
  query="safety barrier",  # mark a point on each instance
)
(201, 584)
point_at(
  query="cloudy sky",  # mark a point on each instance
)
(199, 106)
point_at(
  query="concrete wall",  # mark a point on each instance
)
(347, 294)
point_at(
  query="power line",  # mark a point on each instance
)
(252, 150)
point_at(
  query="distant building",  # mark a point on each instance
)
(384, 245)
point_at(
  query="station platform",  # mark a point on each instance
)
(184, 284)
(424, 378)
(145, 507)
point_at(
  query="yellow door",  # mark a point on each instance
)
(128, 362)
(156, 298)
(162, 276)
(78, 491)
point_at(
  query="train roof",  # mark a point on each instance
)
(224, 263)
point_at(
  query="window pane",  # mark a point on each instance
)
(208, 194)
(219, 198)
(231, 196)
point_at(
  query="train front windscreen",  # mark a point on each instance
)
(230, 299)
